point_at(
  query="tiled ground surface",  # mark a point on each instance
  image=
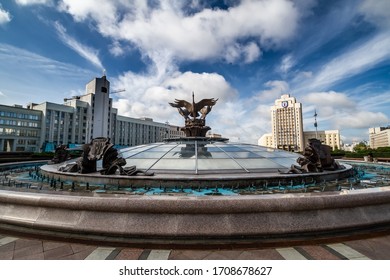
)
(14, 248)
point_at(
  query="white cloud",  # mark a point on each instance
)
(32, 2)
(116, 49)
(251, 52)
(2, 94)
(5, 16)
(149, 95)
(361, 119)
(338, 111)
(276, 89)
(88, 53)
(287, 63)
(376, 12)
(332, 99)
(208, 33)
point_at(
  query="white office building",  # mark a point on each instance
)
(19, 129)
(379, 137)
(78, 120)
(287, 126)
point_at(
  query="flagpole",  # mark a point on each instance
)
(315, 123)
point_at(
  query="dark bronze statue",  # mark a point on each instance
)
(61, 154)
(195, 126)
(101, 149)
(316, 158)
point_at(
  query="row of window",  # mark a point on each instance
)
(18, 132)
(19, 115)
(18, 123)
(28, 142)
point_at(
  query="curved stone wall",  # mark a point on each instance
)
(176, 220)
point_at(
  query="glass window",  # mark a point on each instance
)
(260, 163)
(142, 164)
(286, 162)
(215, 164)
(185, 164)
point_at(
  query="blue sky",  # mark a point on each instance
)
(333, 56)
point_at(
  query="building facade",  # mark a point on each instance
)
(42, 127)
(266, 140)
(132, 132)
(379, 137)
(20, 129)
(287, 126)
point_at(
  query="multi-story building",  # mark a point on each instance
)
(327, 137)
(287, 126)
(266, 140)
(379, 137)
(132, 132)
(77, 121)
(19, 129)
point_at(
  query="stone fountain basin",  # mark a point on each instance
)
(187, 221)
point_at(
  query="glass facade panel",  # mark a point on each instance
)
(258, 163)
(286, 162)
(215, 164)
(148, 154)
(208, 154)
(174, 164)
(142, 164)
(243, 155)
(265, 154)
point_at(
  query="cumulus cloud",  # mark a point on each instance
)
(32, 2)
(116, 49)
(339, 111)
(149, 95)
(5, 16)
(203, 34)
(275, 89)
(331, 99)
(361, 119)
(376, 12)
(88, 53)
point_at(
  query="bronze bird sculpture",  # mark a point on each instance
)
(194, 108)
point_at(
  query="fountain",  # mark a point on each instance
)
(196, 191)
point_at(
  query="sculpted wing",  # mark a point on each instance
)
(205, 102)
(182, 103)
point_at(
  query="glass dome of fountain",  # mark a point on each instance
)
(206, 156)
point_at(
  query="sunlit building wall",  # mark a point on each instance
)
(20, 129)
(379, 137)
(266, 140)
(287, 126)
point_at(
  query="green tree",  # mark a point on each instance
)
(361, 147)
